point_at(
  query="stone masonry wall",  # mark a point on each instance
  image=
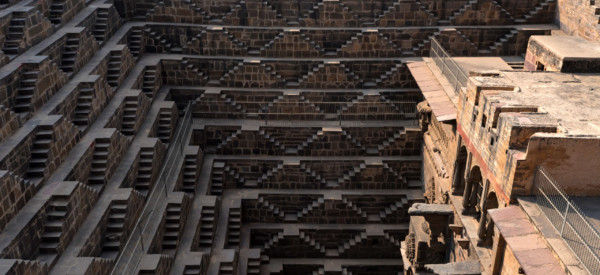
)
(37, 28)
(65, 136)
(579, 18)
(15, 194)
(80, 200)
(50, 78)
(9, 122)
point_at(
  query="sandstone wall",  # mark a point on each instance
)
(579, 18)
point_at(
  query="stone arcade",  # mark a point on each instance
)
(317, 137)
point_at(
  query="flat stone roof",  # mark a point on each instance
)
(569, 47)
(430, 209)
(481, 63)
(572, 100)
(469, 267)
(529, 248)
(441, 105)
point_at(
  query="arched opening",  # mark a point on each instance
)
(461, 166)
(473, 190)
(486, 225)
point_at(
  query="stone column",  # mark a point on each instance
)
(455, 176)
(467, 192)
(466, 195)
(485, 231)
(482, 228)
(498, 254)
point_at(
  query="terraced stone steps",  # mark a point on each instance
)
(143, 181)
(217, 179)
(97, 177)
(234, 226)
(113, 236)
(101, 27)
(114, 69)
(354, 207)
(207, 226)
(349, 244)
(57, 9)
(306, 238)
(319, 202)
(54, 224)
(40, 153)
(272, 240)
(190, 174)
(172, 228)
(84, 107)
(16, 34)
(164, 126)
(135, 41)
(264, 177)
(149, 80)
(128, 120)
(25, 92)
(253, 265)
(69, 56)
(264, 203)
(402, 204)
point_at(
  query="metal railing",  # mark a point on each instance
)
(323, 111)
(453, 73)
(135, 248)
(574, 227)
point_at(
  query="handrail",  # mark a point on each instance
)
(453, 73)
(155, 199)
(580, 235)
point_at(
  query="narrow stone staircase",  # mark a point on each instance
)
(97, 177)
(229, 139)
(233, 226)
(172, 228)
(84, 107)
(113, 235)
(144, 173)
(253, 266)
(309, 208)
(69, 55)
(266, 204)
(269, 173)
(40, 154)
(312, 242)
(190, 167)
(216, 179)
(101, 27)
(272, 241)
(135, 41)
(16, 33)
(348, 244)
(207, 219)
(114, 69)
(148, 81)
(57, 9)
(164, 126)
(25, 92)
(56, 213)
(392, 208)
(351, 205)
(128, 119)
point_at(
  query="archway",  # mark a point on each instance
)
(473, 190)
(486, 225)
(459, 174)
